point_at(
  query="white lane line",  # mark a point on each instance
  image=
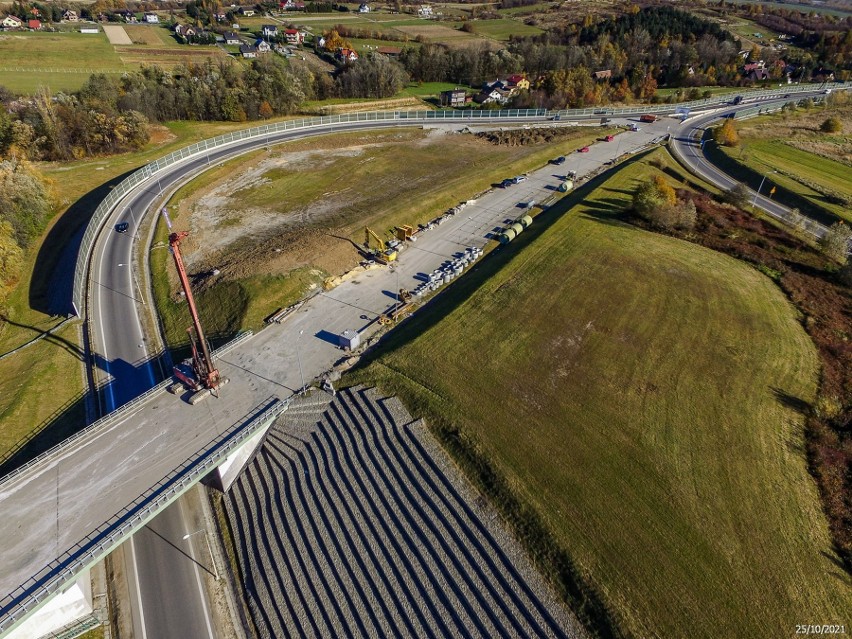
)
(138, 589)
(110, 400)
(202, 595)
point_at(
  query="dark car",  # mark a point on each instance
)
(559, 160)
(122, 227)
(506, 183)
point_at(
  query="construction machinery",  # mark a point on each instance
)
(405, 233)
(396, 314)
(404, 295)
(381, 253)
(197, 374)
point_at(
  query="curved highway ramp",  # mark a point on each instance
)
(352, 522)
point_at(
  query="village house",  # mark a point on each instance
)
(289, 5)
(346, 55)
(248, 13)
(391, 52)
(425, 11)
(364, 8)
(152, 18)
(453, 98)
(35, 25)
(517, 82)
(248, 51)
(262, 46)
(269, 31)
(231, 38)
(606, 74)
(70, 16)
(12, 22)
(185, 30)
(294, 36)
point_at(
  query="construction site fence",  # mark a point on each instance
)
(151, 170)
(52, 578)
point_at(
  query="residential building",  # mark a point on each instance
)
(12, 22)
(425, 11)
(391, 52)
(262, 46)
(346, 55)
(152, 18)
(294, 36)
(518, 81)
(247, 12)
(248, 51)
(606, 74)
(185, 30)
(70, 16)
(231, 38)
(269, 31)
(453, 98)
(35, 25)
(364, 8)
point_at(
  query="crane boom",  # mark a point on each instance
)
(205, 371)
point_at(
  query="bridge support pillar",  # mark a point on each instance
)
(230, 469)
(71, 608)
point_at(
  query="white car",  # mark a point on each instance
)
(635, 127)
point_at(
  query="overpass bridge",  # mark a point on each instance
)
(70, 506)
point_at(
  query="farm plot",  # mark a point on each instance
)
(351, 521)
(439, 34)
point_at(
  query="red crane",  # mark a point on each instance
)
(204, 373)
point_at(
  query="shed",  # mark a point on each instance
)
(349, 340)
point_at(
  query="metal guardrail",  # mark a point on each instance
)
(107, 419)
(124, 187)
(17, 605)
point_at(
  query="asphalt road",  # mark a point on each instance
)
(170, 596)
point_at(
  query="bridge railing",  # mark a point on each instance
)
(109, 418)
(148, 171)
(17, 605)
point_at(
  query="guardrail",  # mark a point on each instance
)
(107, 419)
(148, 171)
(17, 605)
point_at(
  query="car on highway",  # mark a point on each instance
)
(635, 127)
(518, 179)
(558, 161)
(585, 149)
(122, 227)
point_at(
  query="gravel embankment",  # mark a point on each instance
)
(352, 522)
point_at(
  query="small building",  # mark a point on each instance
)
(391, 52)
(517, 81)
(364, 8)
(606, 74)
(269, 31)
(89, 30)
(70, 16)
(262, 46)
(320, 42)
(232, 38)
(453, 98)
(152, 18)
(35, 25)
(425, 11)
(248, 13)
(294, 36)
(12, 22)
(347, 55)
(185, 30)
(248, 51)
(349, 340)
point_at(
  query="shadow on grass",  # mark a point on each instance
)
(753, 179)
(70, 418)
(791, 401)
(53, 272)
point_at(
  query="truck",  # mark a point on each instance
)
(648, 118)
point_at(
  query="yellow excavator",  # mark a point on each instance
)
(382, 253)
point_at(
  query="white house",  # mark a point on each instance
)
(364, 8)
(70, 16)
(12, 22)
(425, 11)
(152, 18)
(269, 31)
(248, 51)
(262, 46)
(232, 38)
(294, 36)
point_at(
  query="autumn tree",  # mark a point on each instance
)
(726, 134)
(836, 242)
(831, 125)
(656, 202)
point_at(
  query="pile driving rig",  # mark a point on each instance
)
(197, 374)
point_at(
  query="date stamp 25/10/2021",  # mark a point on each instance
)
(820, 629)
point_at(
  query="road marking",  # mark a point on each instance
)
(138, 588)
(201, 592)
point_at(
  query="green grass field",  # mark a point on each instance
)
(504, 28)
(806, 174)
(630, 388)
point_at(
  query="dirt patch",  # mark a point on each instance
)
(435, 33)
(399, 104)
(117, 35)
(160, 135)
(141, 34)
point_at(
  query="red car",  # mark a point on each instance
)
(585, 149)
(609, 138)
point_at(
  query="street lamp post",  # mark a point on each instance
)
(209, 549)
(760, 186)
(299, 359)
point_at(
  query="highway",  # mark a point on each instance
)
(131, 456)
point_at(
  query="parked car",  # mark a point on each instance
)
(558, 161)
(635, 127)
(122, 227)
(506, 183)
(585, 149)
(518, 179)
(609, 138)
